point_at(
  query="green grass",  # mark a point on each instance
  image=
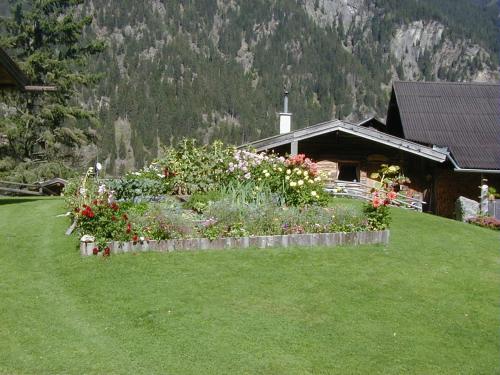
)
(426, 304)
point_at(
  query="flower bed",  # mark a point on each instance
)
(226, 193)
(486, 222)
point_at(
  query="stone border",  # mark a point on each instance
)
(261, 242)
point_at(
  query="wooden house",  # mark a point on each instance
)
(462, 120)
(12, 77)
(446, 138)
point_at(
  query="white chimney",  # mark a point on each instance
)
(285, 118)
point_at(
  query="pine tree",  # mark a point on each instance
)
(46, 37)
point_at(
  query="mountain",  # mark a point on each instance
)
(217, 68)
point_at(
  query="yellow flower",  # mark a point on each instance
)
(293, 184)
(288, 171)
(301, 182)
(314, 194)
(299, 172)
(264, 171)
(280, 169)
(311, 181)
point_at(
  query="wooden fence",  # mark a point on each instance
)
(362, 191)
(20, 189)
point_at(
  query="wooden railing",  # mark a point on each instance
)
(362, 191)
(20, 188)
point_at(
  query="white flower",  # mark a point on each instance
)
(299, 172)
(267, 175)
(247, 176)
(102, 189)
(280, 169)
(301, 182)
(83, 191)
(287, 178)
(259, 179)
(141, 239)
(317, 179)
(288, 171)
(160, 175)
(293, 184)
(314, 194)
(264, 171)
(310, 181)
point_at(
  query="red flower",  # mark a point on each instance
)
(125, 217)
(135, 238)
(114, 206)
(129, 228)
(113, 218)
(95, 251)
(87, 212)
(387, 202)
(107, 252)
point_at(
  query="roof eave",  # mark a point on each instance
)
(365, 133)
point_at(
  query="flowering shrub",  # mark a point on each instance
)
(486, 222)
(383, 195)
(295, 179)
(134, 186)
(189, 168)
(105, 221)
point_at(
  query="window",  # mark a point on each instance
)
(348, 172)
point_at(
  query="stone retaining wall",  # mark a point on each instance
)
(261, 242)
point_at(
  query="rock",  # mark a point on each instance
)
(87, 238)
(466, 209)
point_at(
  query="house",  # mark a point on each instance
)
(446, 138)
(461, 119)
(12, 77)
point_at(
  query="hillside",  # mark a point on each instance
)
(425, 304)
(216, 69)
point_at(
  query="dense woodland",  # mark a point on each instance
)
(216, 69)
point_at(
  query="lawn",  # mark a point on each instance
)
(426, 304)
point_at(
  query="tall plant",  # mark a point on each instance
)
(46, 38)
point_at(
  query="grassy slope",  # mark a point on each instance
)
(426, 304)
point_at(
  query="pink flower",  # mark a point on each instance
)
(376, 202)
(392, 195)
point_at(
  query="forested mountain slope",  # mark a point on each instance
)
(216, 68)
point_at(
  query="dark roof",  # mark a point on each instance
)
(357, 130)
(11, 76)
(465, 117)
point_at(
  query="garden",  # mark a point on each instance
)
(216, 191)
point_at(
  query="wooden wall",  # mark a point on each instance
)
(435, 183)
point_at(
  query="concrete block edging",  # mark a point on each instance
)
(261, 242)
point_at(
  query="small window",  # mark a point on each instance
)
(349, 172)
